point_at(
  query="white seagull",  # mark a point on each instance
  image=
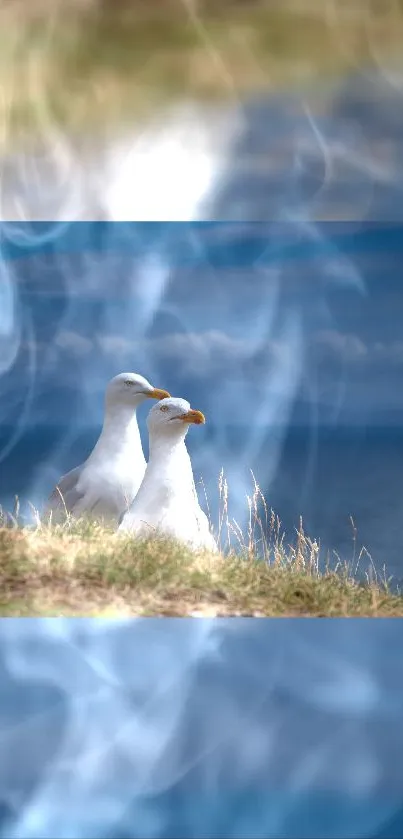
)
(106, 483)
(166, 502)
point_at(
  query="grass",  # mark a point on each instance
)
(94, 69)
(84, 569)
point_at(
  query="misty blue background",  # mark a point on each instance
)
(275, 305)
(284, 326)
(287, 335)
(205, 728)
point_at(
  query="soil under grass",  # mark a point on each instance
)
(89, 571)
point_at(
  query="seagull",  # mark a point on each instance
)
(166, 502)
(105, 485)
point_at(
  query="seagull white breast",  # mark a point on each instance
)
(166, 502)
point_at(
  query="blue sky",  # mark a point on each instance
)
(231, 315)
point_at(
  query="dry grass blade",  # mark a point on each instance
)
(84, 568)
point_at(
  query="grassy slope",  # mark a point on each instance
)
(96, 71)
(90, 571)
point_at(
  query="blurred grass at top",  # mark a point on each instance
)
(89, 65)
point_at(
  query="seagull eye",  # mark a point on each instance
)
(164, 408)
(129, 383)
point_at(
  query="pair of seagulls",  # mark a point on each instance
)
(116, 484)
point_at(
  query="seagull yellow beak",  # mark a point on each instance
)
(157, 393)
(195, 417)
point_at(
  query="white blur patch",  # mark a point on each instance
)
(166, 171)
(9, 323)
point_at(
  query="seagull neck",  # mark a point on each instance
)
(169, 473)
(119, 418)
(167, 446)
(120, 428)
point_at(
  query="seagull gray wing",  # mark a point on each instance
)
(66, 495)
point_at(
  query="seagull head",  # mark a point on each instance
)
(131, 389)
(173, 416)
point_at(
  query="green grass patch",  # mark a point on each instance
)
(87, 570)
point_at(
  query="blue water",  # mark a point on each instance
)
(326, 478)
